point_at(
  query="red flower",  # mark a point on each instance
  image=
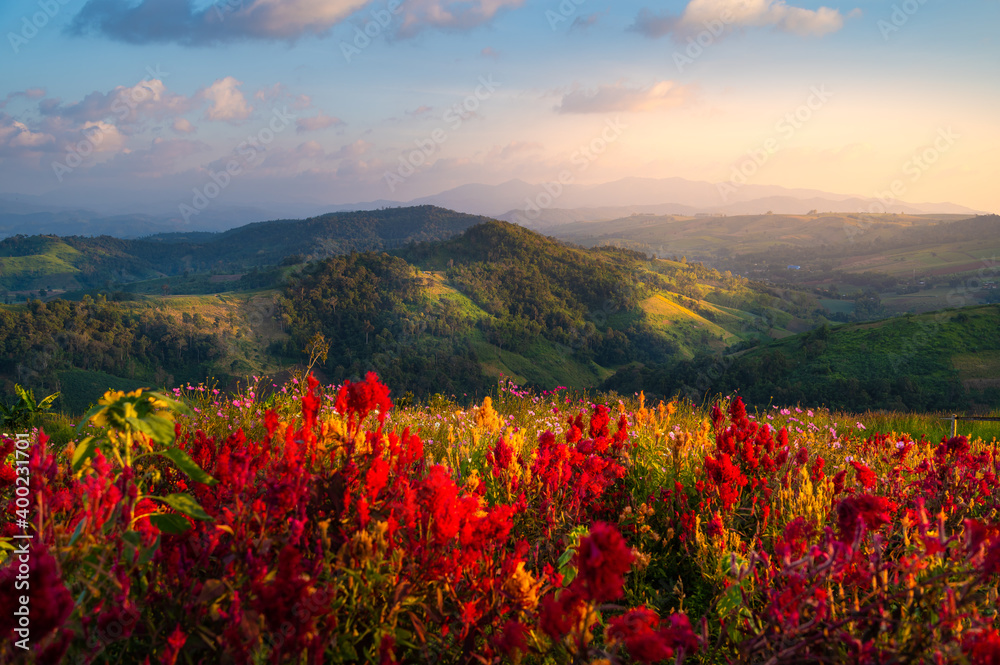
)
(7, 475)
(866, 476)
(738, 413)
(680, 635)
(983, 647)
(559, 614)
(602, 560)
(838, 482)
(727, 478)
(637, 629)
(513, 638)
(51, 603)
(357, 400)
(871, 511)
(387, 651)
(718, 416)
(175, 643)
(500, 457)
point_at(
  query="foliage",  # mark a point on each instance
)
(904, 364)
(26, 411)
(531, 528)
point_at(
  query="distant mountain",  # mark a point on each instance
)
(531, 205)
(537, 206)
(31, 218)
(543, 219)
(74, 262)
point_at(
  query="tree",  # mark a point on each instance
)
(26, 410)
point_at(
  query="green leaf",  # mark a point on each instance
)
(185, 503)
(87, 416)
(148, 553)
(188, 466)
(84, 451)
(78, 530)
(172, 524)
(159, 429)
(46, 403)
(132, 537)
(27, 397)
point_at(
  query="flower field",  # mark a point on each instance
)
(312, 524)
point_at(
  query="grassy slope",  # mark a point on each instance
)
(936, 351)
(737, 234)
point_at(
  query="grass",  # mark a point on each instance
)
(663, 313)
(932, 425)
(79, 389)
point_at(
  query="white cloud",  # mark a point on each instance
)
(450, 14)
(146, 21)
(737, 14)
(183, 126)
(620, 97)
(316, 123)
(226, 102)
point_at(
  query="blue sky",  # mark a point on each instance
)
(145, 101)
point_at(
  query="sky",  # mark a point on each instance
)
(153, 103)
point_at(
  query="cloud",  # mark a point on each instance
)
(419, 15)
(700, 15)
(620, 97)
(353, 150)
(490, 52)
(126, 105)
(226, 102)
(30, 93)
(159, 159)
(513, 150)
(16, 137)
(419, 111)
(584, 22)
(224, 21)
(183, 126)
(316, 123)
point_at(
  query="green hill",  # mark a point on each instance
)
(946, 360)
(499, 299)
(76, 262)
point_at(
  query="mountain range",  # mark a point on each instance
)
(531, 205)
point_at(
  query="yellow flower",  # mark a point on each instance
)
(522, 588)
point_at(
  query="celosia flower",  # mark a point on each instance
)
(51, 603)
(863, 509)
(512, 640)
(866, 476)
(982, 647)
(602, 559)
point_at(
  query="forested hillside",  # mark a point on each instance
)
(49, 262)
(948, 360)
